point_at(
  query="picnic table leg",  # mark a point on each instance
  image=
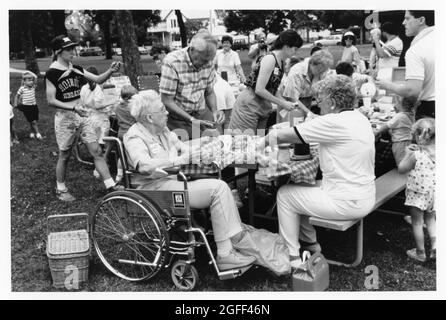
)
(359, 248)
(251, 194)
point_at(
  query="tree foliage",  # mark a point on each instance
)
(245, 21)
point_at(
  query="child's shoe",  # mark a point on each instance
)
(96, 174)
(39, 136)
(413, 254)
(64, 195)
(32, 135)
(433, 255)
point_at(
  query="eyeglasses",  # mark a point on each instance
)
(349, 38)
(319, 101)
(163, 110)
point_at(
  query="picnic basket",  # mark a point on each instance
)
(68, 251)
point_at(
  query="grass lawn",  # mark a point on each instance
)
(386, 237)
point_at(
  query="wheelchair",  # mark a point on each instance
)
(138, 233)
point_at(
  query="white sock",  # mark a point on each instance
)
(61, 186)
(224, 247)
(109, 183)
(120, 172)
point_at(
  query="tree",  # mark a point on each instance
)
(308, 20)
(192, 26)
(129, 46)
(58, 21)
(104, 19)
(245, 21)
(183, 32)
(143, 19)
(25, 19)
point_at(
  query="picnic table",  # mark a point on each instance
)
(242, 152)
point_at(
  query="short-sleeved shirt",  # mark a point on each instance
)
(142, 147)
(420, 63)
(346, 153)
(68, 83)
(299, 84)
(28, 95)
(400, 126)
(393, 50)
(351, 55)
(273, 81)
(125, 119)
(180, 78)
(225, 95)
(228, 61)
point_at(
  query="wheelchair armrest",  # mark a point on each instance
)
(172, 170)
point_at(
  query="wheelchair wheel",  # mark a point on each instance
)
(130, 236)
(184, 275)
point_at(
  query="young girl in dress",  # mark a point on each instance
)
(420, 189)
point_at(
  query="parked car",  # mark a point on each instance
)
(143, 50)
(92, 51)
(333, 40)
(117, 51)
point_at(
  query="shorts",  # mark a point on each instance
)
(68, 124)
(31, 112)
(101, 125)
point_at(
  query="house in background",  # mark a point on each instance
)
(167, 32)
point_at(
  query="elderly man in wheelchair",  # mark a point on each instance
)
(150, 147)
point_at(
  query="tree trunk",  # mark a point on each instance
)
(27, 42)
(104, 24)
(183, 31)
(130, 53)
(58, 17)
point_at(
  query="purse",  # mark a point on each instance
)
(312, 275)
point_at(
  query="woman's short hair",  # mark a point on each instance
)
(348, 34)
(339, 88)
(322, 57)
(227, 38)
(289, 38)
(142, 103)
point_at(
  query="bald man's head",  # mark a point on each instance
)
(203, 48)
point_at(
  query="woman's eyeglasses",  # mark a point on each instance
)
(349, 38)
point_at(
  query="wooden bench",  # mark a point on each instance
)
(387, 186)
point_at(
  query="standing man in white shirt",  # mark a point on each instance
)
(389, 53)
(420, 63)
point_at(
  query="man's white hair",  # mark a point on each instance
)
(202, 41)
(143, 103)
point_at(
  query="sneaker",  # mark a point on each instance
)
(96, 174)
(312, 247)
(433, 254)
(238, 201)
(119, 179)
(234, 260)
(39, 136)
(116, 187)
(64, 195)
(295, 264)
(32, 135)
(413, 254)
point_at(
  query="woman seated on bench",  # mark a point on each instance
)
(150, 146)
(347, 153)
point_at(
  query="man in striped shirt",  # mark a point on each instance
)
(389, 53)
(187, 87)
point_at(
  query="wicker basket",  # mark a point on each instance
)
(68, 253)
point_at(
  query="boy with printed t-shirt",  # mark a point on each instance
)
(63, 85)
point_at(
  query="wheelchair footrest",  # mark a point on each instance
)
(233, 273)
